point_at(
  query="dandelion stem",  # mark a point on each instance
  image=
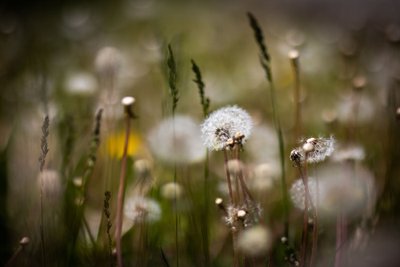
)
(24, 241)
(303, 251)
(315, 227)
(121, 191)
(228, 177)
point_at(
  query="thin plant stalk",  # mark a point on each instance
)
(86, 225)
(228, 177)
(42, 161)
(314, 247)
(303, 250)
(294, 59)
(205, 103)
(24, 241)
(121, 191)
(265, 61)
(338, 254)
(174, 94)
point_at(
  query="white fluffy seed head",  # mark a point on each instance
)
(171, 191)
(255, 241)
(313, 150)
(346, 190)
(177, 140)
(351, 152)
(128, 101)
(80, 83)
(224, 125)
(298, 193)
(140, 209)
(308, 147)
(108, 61)
(322, 148)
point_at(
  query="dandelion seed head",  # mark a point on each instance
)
(298, 193)
(262, 177)
(140, 209)
(346, 190)
(177, 140)
(226, 126)
(355, 109)
(318, 149)
(108, 61)
(80, 83)
(171, 191)
(297, 155)
(255, 241)
(231, 217)
(351, 152)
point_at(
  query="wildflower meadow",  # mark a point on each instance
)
(188, 133)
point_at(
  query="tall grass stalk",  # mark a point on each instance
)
(42, 160)
(121, 188)
(174, 94)
(265, 61)
(205, 103)
(107, 213)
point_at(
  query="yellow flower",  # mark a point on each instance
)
(115, 144)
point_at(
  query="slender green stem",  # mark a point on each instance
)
(265, 61)
(205, 213)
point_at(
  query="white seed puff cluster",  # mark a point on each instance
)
(313, 150)
(225, 125)
(141, 209)
(177, 140)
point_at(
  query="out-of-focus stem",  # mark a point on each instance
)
(294, 59)
(121, 191)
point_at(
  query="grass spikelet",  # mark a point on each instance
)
(42, 160)
(265, 58)
(172, 79)
(265, 61)
(107, 213)
(205, 101)
(43, 142)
